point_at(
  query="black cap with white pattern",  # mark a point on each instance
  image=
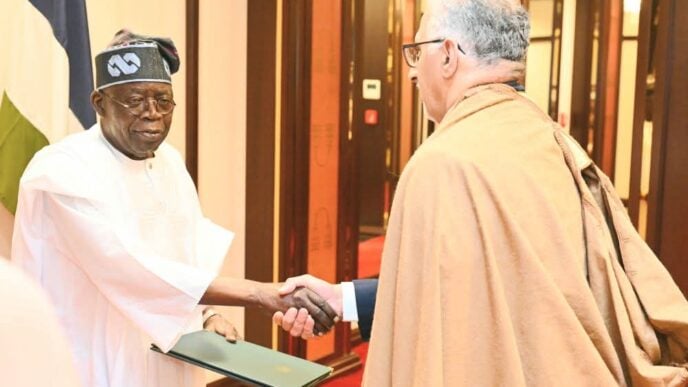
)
(136, 58)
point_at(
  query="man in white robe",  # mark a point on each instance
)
(109, 223)
(34, 352)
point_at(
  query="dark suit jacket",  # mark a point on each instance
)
(366, 291)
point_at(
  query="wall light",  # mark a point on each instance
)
(632, 6)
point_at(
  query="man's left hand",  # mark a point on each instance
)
(219, 325)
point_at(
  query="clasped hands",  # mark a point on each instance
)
(306, 321)
(305, 306)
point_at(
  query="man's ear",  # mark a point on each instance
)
(450, 62)
(97, 101)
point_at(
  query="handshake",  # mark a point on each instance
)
(317, 306)
(304, 306)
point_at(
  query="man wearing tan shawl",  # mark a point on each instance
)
(509, 258)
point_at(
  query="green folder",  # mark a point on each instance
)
(245, 361)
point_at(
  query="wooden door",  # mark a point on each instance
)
(661, 116)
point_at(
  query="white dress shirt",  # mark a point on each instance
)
(349, 309)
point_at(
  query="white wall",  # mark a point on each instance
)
(222, 126)
(6, 222)
(538, 62)
(566, 68)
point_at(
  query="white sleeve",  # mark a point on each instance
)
(214, 242)
(159, 295)
(349, 309)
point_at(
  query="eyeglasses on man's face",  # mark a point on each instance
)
(411, 51)
(136, 104)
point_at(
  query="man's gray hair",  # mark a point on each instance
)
(488, 29)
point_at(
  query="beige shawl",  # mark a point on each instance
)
(489, 277)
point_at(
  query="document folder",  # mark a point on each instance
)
(245, 361)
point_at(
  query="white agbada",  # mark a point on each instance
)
(124, 252)
(34, 351)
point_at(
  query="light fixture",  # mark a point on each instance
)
(632, 6)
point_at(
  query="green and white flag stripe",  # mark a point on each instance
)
(47, 78)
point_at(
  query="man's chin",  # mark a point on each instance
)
(146, 153)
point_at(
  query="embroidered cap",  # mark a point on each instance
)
(136, 58)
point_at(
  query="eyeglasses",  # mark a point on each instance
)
(411, 51)
(137, 105)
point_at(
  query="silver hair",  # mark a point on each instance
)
(489, 29)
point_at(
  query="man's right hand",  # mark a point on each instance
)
(298, 322)
(274, 300)
(271, 298)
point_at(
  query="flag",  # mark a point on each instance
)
(48, 80)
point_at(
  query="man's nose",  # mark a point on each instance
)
(151, 110)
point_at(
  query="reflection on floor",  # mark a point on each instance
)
(369, 256)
